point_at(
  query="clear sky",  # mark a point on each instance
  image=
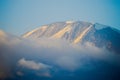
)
(20, 16)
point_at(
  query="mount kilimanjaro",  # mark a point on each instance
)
(70, 50)
(79, 32)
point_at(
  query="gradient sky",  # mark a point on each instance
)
(20, 16)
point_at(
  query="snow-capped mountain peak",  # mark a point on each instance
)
(68, 22)
(79, 32)
(69, 30)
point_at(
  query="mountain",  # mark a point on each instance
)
(7, 38)
(68, 30)
(71, 50)
(79, 32)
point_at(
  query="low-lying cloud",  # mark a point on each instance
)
(53, 56)
(30, 64)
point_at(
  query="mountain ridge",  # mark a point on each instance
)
(79, 32)
(71, 50)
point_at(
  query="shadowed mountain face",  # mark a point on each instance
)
(80, 32)
(106, 37)
(61, 51)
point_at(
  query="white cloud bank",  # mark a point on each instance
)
(59, 54)
(30, 64)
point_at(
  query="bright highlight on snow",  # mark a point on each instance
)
(69, 22)
(65, 51)
(79, 38)
(62, 32)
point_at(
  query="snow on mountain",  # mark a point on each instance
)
(87, 49)
(68, 30)
(61, 33)
(79, 32)
(79, 38)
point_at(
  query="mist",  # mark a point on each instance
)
(55, 59)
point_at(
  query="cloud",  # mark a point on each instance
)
(20, 73)
(30, 64)
(39, 55)
(39, 69)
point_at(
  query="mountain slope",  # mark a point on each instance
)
(52, 58)
(80, 32)
(66, 30)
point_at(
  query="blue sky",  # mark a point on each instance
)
(20, 16)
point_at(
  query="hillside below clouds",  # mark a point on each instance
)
(79, 32)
